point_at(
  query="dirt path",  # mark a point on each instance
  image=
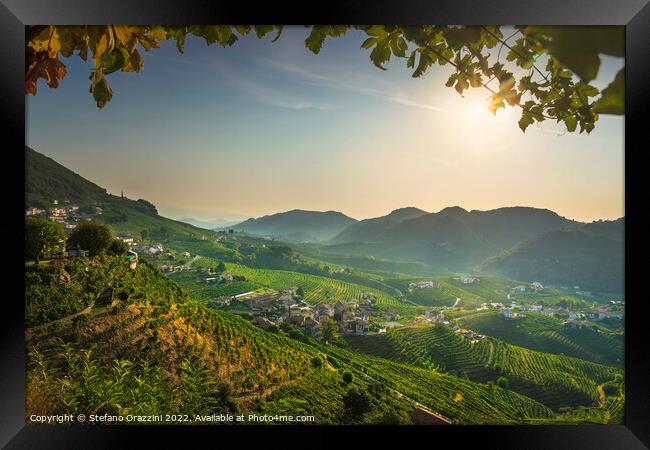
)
(417, 404)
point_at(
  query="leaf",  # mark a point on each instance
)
(262, 30)
(613, 98)
(99, 87)
(51, 69)
(380, 54)
(377, 31)
(578, 47)
(277, 36)
(398, 46)
(525, 120)
(425, 61)
(571, 123)
(410, 62)
(369, 42)
(495, 103)
(243, 29)
(48, 41)
(314, 41)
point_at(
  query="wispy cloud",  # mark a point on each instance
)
(389, 93)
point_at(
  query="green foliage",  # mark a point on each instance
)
(318, 289)
(357, 402)
(546, 334)
(92, 236)
(554, 380)
(58, 290)
(329, 331)
(162, 351)
(317, 362)
(43, 237)
(117, 247)
(559, 91)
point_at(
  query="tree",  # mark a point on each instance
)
(317, 362)
(558, 90)
(329, 331)
(144, 234)
(503, 382)
(357, 402)
(347, 377)
(117, 247)
(221, 267)
(43, 237)
(92, 236)
(300, 292)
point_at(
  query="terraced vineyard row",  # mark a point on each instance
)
(454, 397)
(556, 381)
(317, 289)
(546, 334)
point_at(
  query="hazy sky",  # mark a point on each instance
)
(266, 127)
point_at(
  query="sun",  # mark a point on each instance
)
(476, 108)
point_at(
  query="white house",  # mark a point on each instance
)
(537, 285)
(468, 279)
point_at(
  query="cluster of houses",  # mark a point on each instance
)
(469, 279)
(65, 215)
(572, 318)
(352, 316)
(429, 284)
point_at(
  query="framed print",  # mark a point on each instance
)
(387, 218)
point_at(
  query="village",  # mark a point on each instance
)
(288, 307)
(66, 214)
(352, 316)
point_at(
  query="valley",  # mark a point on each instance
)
(456, 315)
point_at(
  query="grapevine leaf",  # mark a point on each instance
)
(613, 98)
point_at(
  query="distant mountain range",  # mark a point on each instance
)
(298, 225)
(208, 224)
(518, 242)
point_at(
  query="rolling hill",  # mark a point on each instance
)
(453, 239)
(298, 225)
(553, 380)
(46, 180)
(369, 230)
(142, 346)
(591, 257)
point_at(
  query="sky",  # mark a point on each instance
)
(262, 127)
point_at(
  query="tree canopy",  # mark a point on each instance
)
(557, 90)
(92, 236)
(43, 237)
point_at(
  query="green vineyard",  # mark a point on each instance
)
(462, 400)
(553, 380)
(317, 289)
(145, 345)
(546, 334)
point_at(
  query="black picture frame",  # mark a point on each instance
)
(15, 14)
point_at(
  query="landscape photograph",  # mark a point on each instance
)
(324, 225)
